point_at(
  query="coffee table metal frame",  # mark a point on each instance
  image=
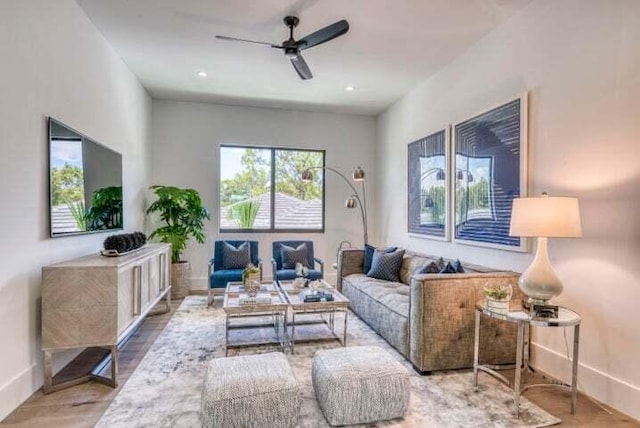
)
(277, 310)
(298, 307)
(566, 318)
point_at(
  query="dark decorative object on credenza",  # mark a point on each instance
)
(117, 245)
(85, 184)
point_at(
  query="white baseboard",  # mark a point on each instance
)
(18, 389)
(608, 389)
(24, 384)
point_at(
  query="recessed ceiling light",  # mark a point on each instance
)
(349, 88)
(202, 74)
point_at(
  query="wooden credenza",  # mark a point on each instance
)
(97, 301)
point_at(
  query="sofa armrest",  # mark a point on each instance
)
(442, 321)
(350, 261)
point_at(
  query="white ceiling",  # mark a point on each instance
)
(391, 46)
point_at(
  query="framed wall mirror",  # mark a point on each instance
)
(85, 184)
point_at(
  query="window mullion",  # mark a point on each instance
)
(273, 191)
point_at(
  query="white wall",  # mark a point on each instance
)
(580, 62)
(185, 153)
(54, 63)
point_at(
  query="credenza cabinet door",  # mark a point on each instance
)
(127, 296)
(143, 288)
(154, 276)
(165, 266)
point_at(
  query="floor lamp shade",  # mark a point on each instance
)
(544, 217)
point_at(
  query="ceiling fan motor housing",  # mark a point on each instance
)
(291, 21)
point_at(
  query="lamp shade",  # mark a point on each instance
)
(358, 174)
(551, 217)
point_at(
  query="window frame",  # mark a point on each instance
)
(272, 222)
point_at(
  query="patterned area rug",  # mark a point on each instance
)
(164, 391)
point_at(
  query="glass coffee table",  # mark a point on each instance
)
(236, 306)
(326, 309)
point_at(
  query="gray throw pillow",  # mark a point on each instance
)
(429, 268)
(290, 256)
(235, 258)
(386, 265)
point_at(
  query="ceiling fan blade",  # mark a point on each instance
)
(325, 34)
(301, 67)
(235, 39)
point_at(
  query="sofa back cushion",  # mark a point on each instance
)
(411, 263)
(368, 256)
(386, 266)
(235, 257)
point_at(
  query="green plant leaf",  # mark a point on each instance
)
(183, 215)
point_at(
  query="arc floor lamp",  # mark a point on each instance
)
(356, 199)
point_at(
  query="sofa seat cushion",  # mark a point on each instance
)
(393, 295)
(383, 305)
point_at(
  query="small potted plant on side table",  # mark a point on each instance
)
(498, 296)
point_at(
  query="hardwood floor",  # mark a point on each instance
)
(83, 405)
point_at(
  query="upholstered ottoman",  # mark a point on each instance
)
(250, 391)
(359, 385)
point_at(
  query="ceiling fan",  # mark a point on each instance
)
(292, 47)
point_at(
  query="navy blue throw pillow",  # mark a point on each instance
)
(235, 258)
(448, 268)
(386, 265)
(457, 265)
(368, 255)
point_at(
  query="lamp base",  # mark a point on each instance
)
(539, 282)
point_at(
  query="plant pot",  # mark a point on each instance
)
(180, 279)
(497, 304)
(248, 279)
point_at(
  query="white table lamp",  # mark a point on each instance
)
(544, 217)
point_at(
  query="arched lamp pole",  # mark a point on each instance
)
(355, 199)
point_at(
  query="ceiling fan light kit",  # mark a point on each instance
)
(292, 47)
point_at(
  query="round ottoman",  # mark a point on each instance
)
(358, 385)
(250, 391)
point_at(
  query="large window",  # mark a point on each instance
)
(261, 190)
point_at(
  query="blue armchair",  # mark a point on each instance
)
(282, 274)
(218, 276)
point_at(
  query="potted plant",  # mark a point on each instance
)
(182, 215)
(251, 275)
(498, 296)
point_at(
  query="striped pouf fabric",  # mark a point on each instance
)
(250, 391)
(359, 385)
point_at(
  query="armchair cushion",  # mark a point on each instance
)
(276, 252)
(235, 258)
(220, 278)
(218, 252)
(291, 256)
(290, 274)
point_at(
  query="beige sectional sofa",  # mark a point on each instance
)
(430, 318)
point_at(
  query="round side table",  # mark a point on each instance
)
(523, 319)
